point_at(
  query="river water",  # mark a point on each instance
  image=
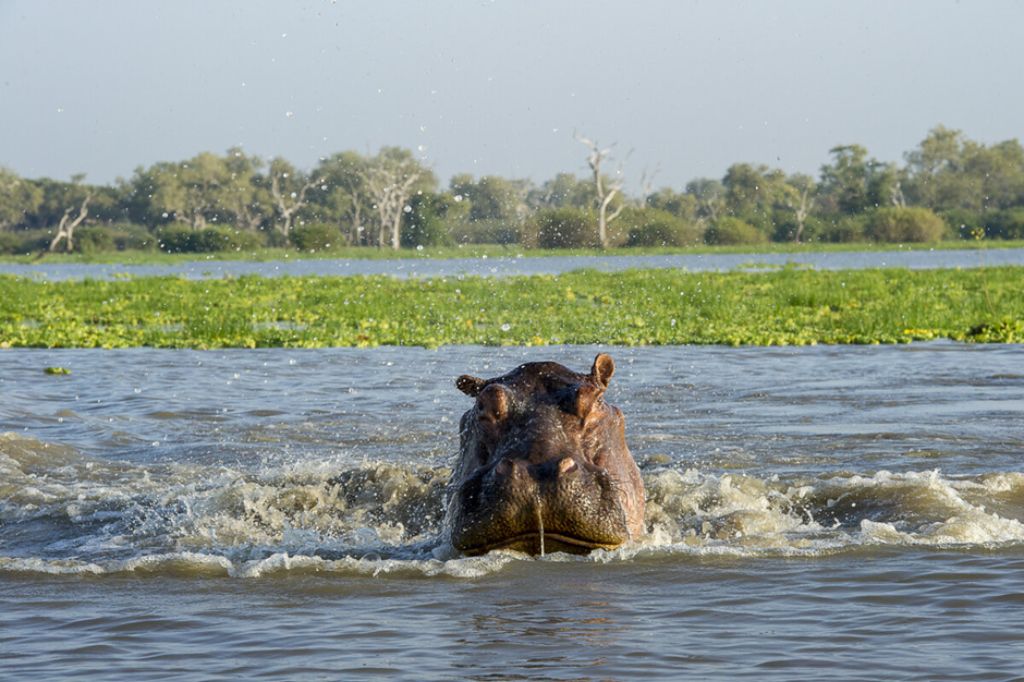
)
(816, 513)
(519, 264)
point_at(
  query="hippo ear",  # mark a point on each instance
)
(602, 371)
(469, 385)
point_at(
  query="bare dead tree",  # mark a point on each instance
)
(897, 195)
(67, 225)
(290, 203)
(391, 187)
(802, 208)
(605, 192)
(647, 184)
(800, 197)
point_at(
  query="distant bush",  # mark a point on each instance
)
(224, 238)
(488, 231)
(561, 228)
(964, 223)
(116, 237)
(785, 231)
(656, 227)
(182, 239)
(315, 237)
(843, 230)
(1008, 224)
(176, 239)
(9, 242)
(897, 224)
(425, 230)
(27, 241)
(731, 230)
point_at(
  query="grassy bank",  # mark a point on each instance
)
(639, 307)
(482, 250)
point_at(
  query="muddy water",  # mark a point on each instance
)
(817, 513)
(516, 263)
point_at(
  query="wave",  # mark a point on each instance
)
(63, 512)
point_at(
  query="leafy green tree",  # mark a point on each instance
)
(18, 198)
(427, 224)
(710, 196)
(393, 177)
(290, 190)
(755, 194)
(854, 183)
(189, 192)
(937, 177)
(244, 194)
(492, 197)
(344, 199)
(563, 190)
(680, 204)
(844, 182)
(1000, 170)
(796, 203)
(948, 171)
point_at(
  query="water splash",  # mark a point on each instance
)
(62, 511)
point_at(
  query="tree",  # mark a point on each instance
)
(844, 182)
(492, 197)
(392, 177)
(949, 172)
(189, 191)
(243, 194)
(18, 197)
(289, 188)
(427, 224)
(563, 190)
(346, 200)
(710, 196)
(77, 197)
(606, 189)
(755, 194)
(936, 171)
(800, 198)
(679, 204)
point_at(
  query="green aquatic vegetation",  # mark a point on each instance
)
(57, 370)
(791, 306)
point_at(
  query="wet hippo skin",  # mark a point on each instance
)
(543, 464)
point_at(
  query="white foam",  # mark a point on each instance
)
(381, 519)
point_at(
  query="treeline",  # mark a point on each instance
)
(949, 187)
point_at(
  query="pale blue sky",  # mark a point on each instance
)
(498, 87)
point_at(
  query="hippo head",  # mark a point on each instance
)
(543, 464)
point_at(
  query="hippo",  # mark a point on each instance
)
(543, 464)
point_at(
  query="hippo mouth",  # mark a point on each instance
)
(535, 542)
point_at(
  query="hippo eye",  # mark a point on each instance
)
(585, 398)
(493, 403)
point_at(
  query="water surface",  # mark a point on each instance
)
(516, 263)
(824, 513)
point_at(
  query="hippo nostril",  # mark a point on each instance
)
(567, 466)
